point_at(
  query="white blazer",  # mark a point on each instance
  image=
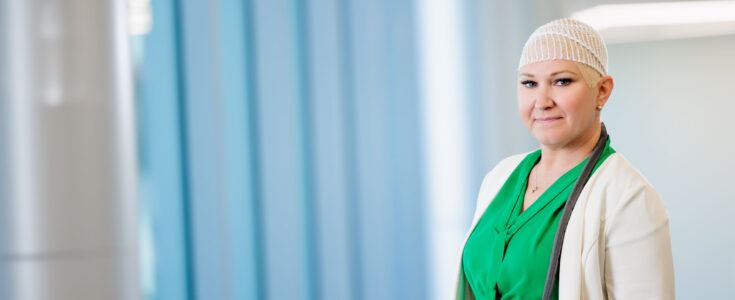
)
(617, 244)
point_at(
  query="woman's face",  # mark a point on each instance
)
(556, 104)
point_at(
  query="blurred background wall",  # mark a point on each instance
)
(333, 149)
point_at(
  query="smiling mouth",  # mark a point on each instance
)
(547, 120)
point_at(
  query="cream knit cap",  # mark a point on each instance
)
(566, 39)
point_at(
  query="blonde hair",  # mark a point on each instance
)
(590, 75)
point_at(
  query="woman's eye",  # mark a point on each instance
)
(563, 81)
(528, 83)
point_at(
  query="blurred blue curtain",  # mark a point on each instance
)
(280, 150)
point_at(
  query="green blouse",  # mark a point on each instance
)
(508, 251)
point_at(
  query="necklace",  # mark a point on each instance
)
(535, 182)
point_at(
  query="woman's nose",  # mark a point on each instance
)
(543, 100)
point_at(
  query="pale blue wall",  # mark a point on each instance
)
(671, 114)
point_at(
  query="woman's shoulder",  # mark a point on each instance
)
(625, 188)
(618, 170)
(513, 160)
(506, 165)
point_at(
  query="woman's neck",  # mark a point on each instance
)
(564, 158)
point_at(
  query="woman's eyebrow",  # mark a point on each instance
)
(552, 74)
(563, 71)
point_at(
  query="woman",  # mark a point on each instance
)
(614, 241)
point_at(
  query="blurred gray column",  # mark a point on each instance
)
(67, 152)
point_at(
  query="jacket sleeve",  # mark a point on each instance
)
(638, 258)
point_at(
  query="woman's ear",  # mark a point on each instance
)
(604, 89)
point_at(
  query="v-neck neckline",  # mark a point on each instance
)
(515, 218)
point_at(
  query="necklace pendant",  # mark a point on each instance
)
(533, 190)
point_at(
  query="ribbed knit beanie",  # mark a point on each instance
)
(566, 39)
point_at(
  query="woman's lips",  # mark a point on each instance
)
(547, 120)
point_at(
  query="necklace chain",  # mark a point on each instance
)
(535, 182)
